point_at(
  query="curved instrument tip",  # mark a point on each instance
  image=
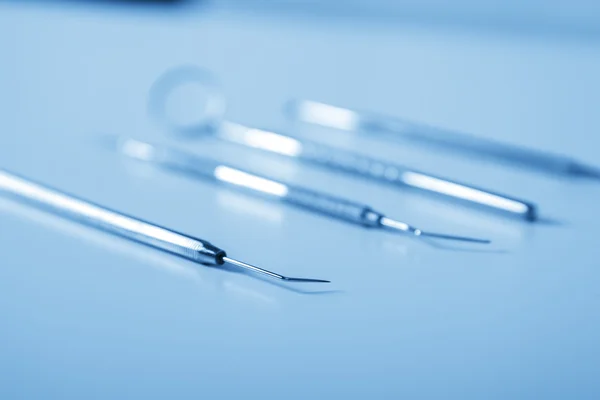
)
(290, 279)
(270, 273)
(452, 237)
(404, 227)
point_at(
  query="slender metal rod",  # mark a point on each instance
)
(210, 121)
(95, 216)
(386, 127)
(344, 161)
(216, 171)
(240, 264)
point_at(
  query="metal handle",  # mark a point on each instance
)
(332, 206)
(110, 221)
(366, 167)
(214, 170)
(315, 201)
(310, 152)
(387, 127)
(467, 144)
(393, 174)
(350, 162)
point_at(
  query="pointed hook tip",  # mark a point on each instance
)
(291, 279)
(452, 237)
(270, 273)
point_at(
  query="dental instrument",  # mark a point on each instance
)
(95, 216)
(386, 127)
(210, 122)
(236, 177)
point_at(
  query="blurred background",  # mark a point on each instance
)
(83, 317)
(533, 16)
(560, 17)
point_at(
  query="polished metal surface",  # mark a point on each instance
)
(377, 170)
(194, 249)
(215, 171)
(86, 314)
(315, 153)
(316, 113)
(269, 273)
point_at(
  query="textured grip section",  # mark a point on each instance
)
(349, 162)
(332, 206)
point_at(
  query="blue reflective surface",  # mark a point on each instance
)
(88, 315)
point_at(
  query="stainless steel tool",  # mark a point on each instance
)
(209, 122)
(215, 171)
(95, 216)
(386, 127)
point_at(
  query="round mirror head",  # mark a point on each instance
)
(187, 101)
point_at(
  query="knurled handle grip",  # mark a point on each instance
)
(326, 204)
(349, 162)
(332, 206)
(366, 167)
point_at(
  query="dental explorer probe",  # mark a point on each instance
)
(355, 164)
(209, 121)
(216, 171)
(316, 113)
(95, 216)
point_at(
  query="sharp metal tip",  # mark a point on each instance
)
(287, 278)
(452, 237)
(403, 227)
(269, 273)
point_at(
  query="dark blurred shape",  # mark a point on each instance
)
(566, 18)
(113, 2)
(125, 1)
